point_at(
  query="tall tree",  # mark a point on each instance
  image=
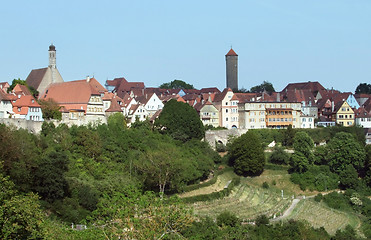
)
(247, 154)
(176, 84)
(303, 156)
(343, 150)
(265, 86)
(363, 88)
(50, 109)
(288, 136)
(20, 215)
(181, 121)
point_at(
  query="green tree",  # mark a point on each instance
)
(349, 177)
(20, 215)
(342, 150)
(163, 171)
(265, 86)
(50, 109)
(304, 144)
(50, 182)
(367, 169)
(180, 121)
(144, 216)
(176, 84)
(116, 122)
(227, 219)
(279, 156)
(363, 88)
(247, 154)
(33, 91)
(303, 156)
(288, 136)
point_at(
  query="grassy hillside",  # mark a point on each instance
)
(320, 215)
(249, 199)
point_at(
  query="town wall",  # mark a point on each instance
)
(222, 136)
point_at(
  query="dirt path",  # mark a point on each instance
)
(289, 210)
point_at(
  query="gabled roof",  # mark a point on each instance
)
(35, 77)
(145, 98)
(21, 89)
(301, 95)
(4, 85)
(78, 91)
(200, 105)
(246, 97)
(231, 53)
(115, 107)
(210, 90)
(26, 101)
(314, 87)
(362, 113)
(188, 91)
(6, 97)
(220, 96)
(94, 83)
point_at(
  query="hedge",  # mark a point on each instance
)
(215, 195)
(208, 183)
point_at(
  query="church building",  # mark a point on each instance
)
(41, 78)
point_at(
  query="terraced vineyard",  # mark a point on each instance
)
(319, 215)
(247, 202)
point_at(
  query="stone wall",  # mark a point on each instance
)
(35, 127)
(214, 136)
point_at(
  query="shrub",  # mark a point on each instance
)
(227, 219)
(262, 220)
(318, 197)
(279, 156)
(265, 185)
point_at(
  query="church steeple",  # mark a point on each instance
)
(52, 57)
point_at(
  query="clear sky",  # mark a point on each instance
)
(279, 41)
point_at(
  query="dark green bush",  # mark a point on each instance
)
(227, 219)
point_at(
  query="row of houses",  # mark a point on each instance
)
(302, 105)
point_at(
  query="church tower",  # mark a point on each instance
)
(231, 59)
(52, 56)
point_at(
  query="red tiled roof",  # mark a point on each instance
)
(313, 86)
(246, 97)
(231, 53)
(21, 89)
(115, 107)
(210, 90)
(26, 101)
(7, 97)
(220, 96)
(70, 92)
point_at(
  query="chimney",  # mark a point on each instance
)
(332, 106)
(87, 78)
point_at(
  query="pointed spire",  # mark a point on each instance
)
(231, 53)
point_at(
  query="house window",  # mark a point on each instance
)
(226, 110)
(226, 119)
(19, 109)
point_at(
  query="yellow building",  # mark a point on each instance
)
(344, 114)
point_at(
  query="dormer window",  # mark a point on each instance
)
(19, 109)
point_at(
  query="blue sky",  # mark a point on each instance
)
(158, 41)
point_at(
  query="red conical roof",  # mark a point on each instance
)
(231, 53)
